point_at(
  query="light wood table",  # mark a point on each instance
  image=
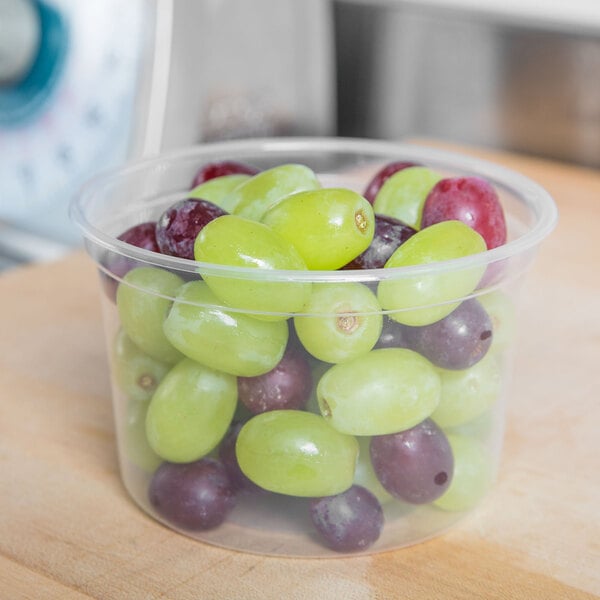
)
(68, 529)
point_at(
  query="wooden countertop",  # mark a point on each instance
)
(68, 529)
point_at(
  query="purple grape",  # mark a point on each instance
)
(349, 521)
(382, 176)
(389, 234)
(456, 342)
(393, 334)
(415, 465)
(179, 225)
(193, 496)
(287, 386)
(221, 168)
(228, 457)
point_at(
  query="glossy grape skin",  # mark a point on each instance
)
(193, 497)
(222, 168)
(229, 460)
(349, 326)
(348, 522)
(190, 411)
(217, 190)
(364, 474)
(329, 227)
(403, 195)
(296, 453)
(473, 472)
(469, 393)
(425, 298)
(134, 441)
(180, 224)
(383, 175)
(287, 386)
(384, 391)
(235, 241)
(473, 201)
(388, 235)
(457, 341)
(414, 465)
(228, 341)
(143, 301)
(137, 374)
(253, 198)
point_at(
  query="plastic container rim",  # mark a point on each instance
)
(531, 194)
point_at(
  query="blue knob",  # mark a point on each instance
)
(22, 102)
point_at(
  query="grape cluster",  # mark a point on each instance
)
(348, 394)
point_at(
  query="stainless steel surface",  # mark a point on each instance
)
(406, 70)
(233, 69)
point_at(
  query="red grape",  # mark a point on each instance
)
(142, 235)
(348, 521)
(471, 200)
(221, 168)
(382, 176)
(193, 496)
(415, 465)
(179, 225)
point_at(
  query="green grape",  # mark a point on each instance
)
(218, 190)
(235, 241)
(403, 194)
(190, 411)
(296, 453)
(223, 340)
(472, 475)
(136, 447)
(143, 301)
(253, 198)
(350, 324)
(438, 293)
(329, 227)
(137, 374)
(501, 311)
(365, 474)
(468, 393)
(385, 391)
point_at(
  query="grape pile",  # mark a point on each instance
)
(353, 395)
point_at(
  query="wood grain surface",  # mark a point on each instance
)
(68, 530)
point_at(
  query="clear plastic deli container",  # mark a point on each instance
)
(268, 398)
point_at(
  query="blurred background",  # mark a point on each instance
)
(87, 86)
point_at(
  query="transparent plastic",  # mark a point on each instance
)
(347, 386)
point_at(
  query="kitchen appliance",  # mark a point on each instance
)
(85, 86)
